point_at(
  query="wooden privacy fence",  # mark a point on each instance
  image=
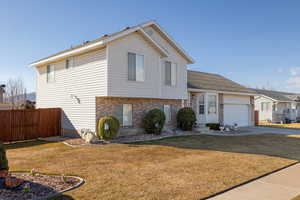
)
(17, 125)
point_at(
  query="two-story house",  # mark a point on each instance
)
(124, 74)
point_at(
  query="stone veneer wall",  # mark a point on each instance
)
(108, 106)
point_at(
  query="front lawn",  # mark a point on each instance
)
(180, 168)
(296, 198)
(292, 126)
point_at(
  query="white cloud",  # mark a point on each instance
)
(293, 83)
(294, 71)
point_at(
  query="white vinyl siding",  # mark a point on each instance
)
(127, 115)
(136, 71)
(50, 73)
(167, 111)
(153, 85)
(75, 89)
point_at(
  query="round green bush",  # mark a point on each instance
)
(154, 121)
(3, 159)
(113, 127)
(186, 119)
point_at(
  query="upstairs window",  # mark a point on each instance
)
(69, 63)
(136, 71)
(170, 73)
(50, 73)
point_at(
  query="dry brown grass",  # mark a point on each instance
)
(190, 167)
(296, 198)
(292, 126)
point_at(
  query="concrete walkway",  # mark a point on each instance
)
(282, 185)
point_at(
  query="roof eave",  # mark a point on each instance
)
(68, 54)
(220, 91)
(109, 39)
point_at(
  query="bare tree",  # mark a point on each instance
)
(15, 94)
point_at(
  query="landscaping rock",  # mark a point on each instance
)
(12, 182)
(2, 183)
(38, 187)
(89, 136)
(3, 173)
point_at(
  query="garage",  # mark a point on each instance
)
(236, 114)
(236, 110)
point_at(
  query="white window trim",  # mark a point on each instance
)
(144, 71)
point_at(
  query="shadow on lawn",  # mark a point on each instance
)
(62, 197)
(24, 144)
(285, 146)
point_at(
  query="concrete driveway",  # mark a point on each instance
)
(257, 130)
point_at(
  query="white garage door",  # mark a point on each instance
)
(238, 114)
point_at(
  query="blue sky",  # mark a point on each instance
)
(256, 43)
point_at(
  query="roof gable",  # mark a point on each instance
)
(102, 41)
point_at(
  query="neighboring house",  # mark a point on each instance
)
(124, 74)
(216, 99)
(276, 107)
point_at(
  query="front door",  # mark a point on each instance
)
(201, 109)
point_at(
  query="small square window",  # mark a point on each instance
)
(50, 73)
(67, 64)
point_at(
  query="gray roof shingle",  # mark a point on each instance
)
(278, 95)
(208, 81)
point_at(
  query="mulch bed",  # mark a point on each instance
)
(136, 138)
(128, 139)
(40, 186)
